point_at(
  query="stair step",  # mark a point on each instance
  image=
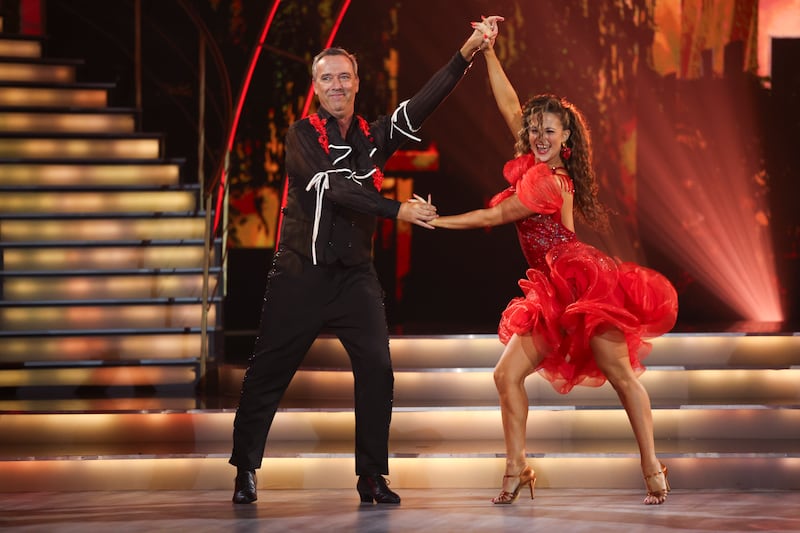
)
(66, 122)
(101, 229)
(155, 472)
(107, 316)
(453, 443)
(142, 300)
(103, 375)
(63, 147)
(476, 387)
(96, 202)
(20, 48)
(103, 286)
(122, 273)
(75, 95)
(103, 216)
(568, 431)
(97, 332)
(686, 350)
(80, 399)
(132, 347)
(446, 425)
(140, 255)
(38, 61)
(36, 70)
(74, 173)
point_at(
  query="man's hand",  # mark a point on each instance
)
(417, 211)
(488, 29)
(483, 35)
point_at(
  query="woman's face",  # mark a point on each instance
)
(546, 138)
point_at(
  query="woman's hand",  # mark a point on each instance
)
(483, 35)
(418, 211)
(488, 29)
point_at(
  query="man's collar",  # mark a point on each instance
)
(324, 114)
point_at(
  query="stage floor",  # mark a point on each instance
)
(564, 510)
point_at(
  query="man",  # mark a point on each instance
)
(322, 274)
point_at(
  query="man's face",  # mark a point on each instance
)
(336, 85)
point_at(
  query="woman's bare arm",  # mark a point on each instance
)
(509, 210)
(505, 96)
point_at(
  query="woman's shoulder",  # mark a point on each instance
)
(514, 169)
(563, 179)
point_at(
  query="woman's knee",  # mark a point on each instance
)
(507, 376)
(500, 377)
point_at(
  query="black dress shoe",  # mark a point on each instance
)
(245, 489)
(375, 487)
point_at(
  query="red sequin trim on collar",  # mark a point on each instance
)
(319, 125)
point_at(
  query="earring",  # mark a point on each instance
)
(566, 152)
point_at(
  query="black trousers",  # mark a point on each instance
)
(301, 300)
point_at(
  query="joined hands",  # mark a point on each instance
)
(418, 210)
(488, 29)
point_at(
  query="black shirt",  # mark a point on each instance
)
(340, 198)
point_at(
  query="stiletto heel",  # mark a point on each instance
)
(526, 477)
(656, 496)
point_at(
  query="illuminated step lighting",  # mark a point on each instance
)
(126, 375)
(108, 348)
(67, 122)
(79, 174)
(37, 73)
(44, 259)
(14, 48)
(679, 386)
(708, 350)
(426, 424)
(418, 425)
(321, 469)
(142, 404)
(97, 202)
(81, 148)
(734, 350)
(102, 317)
(48, 97)
(105, 287)
(102, 229)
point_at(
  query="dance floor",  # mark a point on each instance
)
(334, 511)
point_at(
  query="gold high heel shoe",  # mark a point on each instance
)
(659, 495)
(526, 477)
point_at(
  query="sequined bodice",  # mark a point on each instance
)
(538, 234)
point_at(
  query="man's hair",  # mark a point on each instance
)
(333, 52)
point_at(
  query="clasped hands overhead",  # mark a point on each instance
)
(488, 30)
(421, 211)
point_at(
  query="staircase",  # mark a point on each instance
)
(725, 408)
(101, 244)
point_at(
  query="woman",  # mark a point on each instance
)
(584, 316)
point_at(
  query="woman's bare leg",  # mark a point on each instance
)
(517, 362)
(611, 354)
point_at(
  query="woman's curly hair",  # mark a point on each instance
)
(579, 166)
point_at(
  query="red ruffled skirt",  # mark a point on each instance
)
(585, 292)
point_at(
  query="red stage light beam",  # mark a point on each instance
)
(251, 67)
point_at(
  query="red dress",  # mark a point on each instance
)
(573, 291)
